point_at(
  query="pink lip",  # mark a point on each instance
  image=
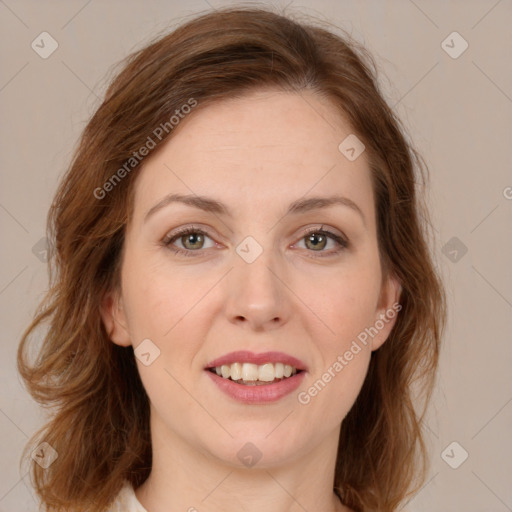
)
(257, 394)
(245, 356)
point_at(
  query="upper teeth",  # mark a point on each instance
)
(251, 372)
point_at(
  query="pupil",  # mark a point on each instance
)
(193, 239)
(317, 240)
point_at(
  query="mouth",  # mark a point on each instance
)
(249, 374)
(256, 378)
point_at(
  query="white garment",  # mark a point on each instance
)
(126, 501)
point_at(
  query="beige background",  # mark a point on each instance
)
(458, 112)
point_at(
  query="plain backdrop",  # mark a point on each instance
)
(456, 103)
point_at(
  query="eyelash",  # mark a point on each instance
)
(168, 241)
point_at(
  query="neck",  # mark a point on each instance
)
(186, 477)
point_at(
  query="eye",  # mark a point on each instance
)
(316, 240)
(191, 239)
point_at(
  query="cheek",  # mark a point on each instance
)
(346, 305)
(164, 308)
(344, 353)
(156, 299)
(152, 307)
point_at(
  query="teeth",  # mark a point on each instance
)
(249, 372)
(236, 371)
(226, 371)
(266, 372)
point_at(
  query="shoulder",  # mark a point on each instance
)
(126, 501)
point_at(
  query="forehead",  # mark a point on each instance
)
(265, 148)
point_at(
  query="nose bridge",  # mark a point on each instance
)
(256, 293)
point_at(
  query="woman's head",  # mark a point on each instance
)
(261, 114)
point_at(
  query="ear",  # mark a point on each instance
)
(114, 319)
(387, 311)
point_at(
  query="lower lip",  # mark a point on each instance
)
(262, 394)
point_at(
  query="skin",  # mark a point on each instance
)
(255, 154)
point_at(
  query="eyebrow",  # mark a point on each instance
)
(211, 205)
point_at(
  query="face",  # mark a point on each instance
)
(263, 268)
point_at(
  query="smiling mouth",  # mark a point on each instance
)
(248, 374)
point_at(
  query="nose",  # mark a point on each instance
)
(257, 295)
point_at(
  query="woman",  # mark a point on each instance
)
(243, 310)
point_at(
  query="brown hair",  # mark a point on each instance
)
(100, 428)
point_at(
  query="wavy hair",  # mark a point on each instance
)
(99, 424)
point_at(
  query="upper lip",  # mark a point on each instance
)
(245, 356)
